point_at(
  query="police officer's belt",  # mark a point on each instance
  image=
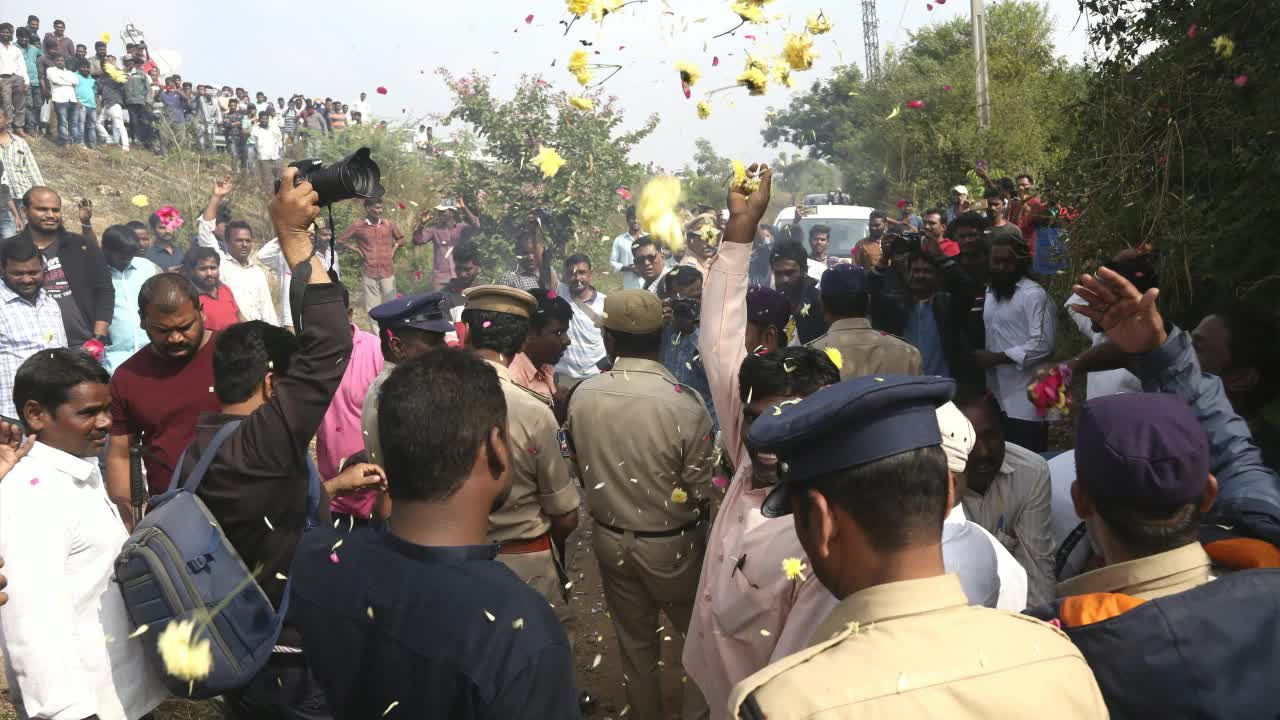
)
(524, 547)
(651, 533)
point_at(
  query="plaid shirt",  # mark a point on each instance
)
(21, 173)
(516, 280)
(377, 243)
(25, 329)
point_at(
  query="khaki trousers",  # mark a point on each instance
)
(538, 571)
(642, 576)
(377, 292)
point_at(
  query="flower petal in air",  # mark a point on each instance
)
(704, 109)
(140, 201)
(183, 656)
(582, 103)
(656, 211)
(794, 568)
(798, 51)
(1224, 46)
(679, 496)
(548, 161)
(381, 90)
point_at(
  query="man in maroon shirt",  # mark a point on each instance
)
(377, 241)
(159, 392)
(217, 302)
(444, 232)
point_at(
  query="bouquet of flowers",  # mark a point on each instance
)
(170, 218)
(1053, 391)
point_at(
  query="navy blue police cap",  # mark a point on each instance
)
(1142, 451)
(424, 311)
(851, 423)
(843, 280)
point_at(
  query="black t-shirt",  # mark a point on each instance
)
(443, 632)
(77, 326)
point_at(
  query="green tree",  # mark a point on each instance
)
(885, 149)
(499, 179)
(704, 182)
(1179, 148)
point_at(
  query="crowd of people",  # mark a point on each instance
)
(833, 476)
(51, 85)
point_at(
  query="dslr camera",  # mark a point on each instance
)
(354, 176)
(907, 243)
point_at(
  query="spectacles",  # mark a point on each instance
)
(646, 258)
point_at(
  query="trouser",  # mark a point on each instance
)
(239, 163)
(88, 127)
(177, 134)
(140, 123)
(642, 576)
(68, 122)
(538, 570)
(8, 224)
(207, 133)
(13, 99)
(119, 133)
(268, 171)
(283, 690)
(378, 291)
(100, 127)
(1030, 434)
(35, 101)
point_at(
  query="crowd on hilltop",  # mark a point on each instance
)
(211, 488)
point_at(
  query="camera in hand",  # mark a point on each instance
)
(907, 243)
(685, 309)
(354, 176)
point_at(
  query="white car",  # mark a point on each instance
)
(848, 225)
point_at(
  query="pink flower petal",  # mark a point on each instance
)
(551, 293)
(486, 323)
(528, 20)
(532, 450)
(333, 558)
(679, 389)
(930, 6)
(946, 88)
(916, 104)
(35, 481)
(750, 37)
(1191, 31)
(625, 193)
(715, 61)
(381, 90)
(1241, 80)
(417, 275)
(902, 203)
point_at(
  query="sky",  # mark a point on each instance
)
(338, 49)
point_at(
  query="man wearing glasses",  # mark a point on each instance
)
(649, 263)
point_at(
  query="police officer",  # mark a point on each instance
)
(865, 351)
(645, 454)
(407, 327)
(867, 480)
(542, 509)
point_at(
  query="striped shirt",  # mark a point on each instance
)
(25, 329)
(20, 169)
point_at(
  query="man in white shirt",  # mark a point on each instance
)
(586, 346)
(272, 257)
(819, 238)
(66, 636)
(1020, 322)
(270, 143)
(989, 575)
(13, 78)
(246, 278)
(62, 92)
(362, 106)
(620, 256)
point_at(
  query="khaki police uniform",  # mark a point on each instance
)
(369, 415)
(644, 453)
(540, 483)
(867, 351)
(917, 649)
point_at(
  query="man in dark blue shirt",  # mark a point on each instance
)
(419, 618)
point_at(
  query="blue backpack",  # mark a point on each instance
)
(178, 565)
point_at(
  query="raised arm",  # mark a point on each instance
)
(205, 224)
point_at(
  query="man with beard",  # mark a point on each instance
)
(726, 643)
(998, 224)
(75, 273)
(541, 509)
(159, 392)
(217, 302)
(790, 277)
(867, 252)
(162, 251)
(700, 237)
(128, 273)
(376, 239)
(529, 272)
(30, 320)
(586, 347)
(1020, 321)
(246, 277)
(819, 239)
(444, 233)
(426, 620)
(959, 203)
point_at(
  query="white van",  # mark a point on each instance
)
(848, 225)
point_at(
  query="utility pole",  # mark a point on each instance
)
(871, 39)
(980, 58)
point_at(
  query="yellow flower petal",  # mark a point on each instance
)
(183, 658)
(818, 24)
(836, 358)
(782, 73)
(548, 161)
(582, 103)
(689, 73)
(751, 11)
(742, 182)
(579, 66)
(1224, 46)
(390, 707)
(581, 7)
(141, 629)
(794, 568)
(756, 77)
(704, 109)
(140, 201)
(679, 496)
(896, 110)
(656, 211)
(798, 51)
(106, 37)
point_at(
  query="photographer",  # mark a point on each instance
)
(681, 311)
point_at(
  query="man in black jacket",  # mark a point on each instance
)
(932, 315)
(76, 275)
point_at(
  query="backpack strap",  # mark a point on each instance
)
(206, 458)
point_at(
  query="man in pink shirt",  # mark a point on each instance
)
(341, 436)
(444, 234)
(535, 367)
(747, 612)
